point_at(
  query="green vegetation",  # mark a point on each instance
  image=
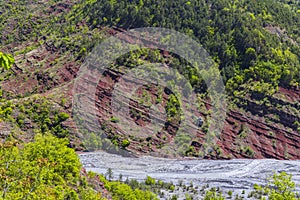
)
(238, 35)
(38, 114)
(249, 151)
(150, 181)
(213, 195)
(124, 191)
(6, 60)
(125, 143)
(48, 169)
(43, 169)
(280, 187)
(114, 120)
(173, 108)
(254, 43)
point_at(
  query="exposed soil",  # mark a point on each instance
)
(241, 130)
(255, 131)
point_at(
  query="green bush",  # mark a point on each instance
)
(43, 169)
(249, 151)
(279, 187)
(6, 60)
(213, 195)
(125, 143)
(114, 119)
(125, 192)
(150, 181)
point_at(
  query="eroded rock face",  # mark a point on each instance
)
(257, 131)
(245, 135)
(254, 130)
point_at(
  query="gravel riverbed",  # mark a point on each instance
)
(236, 175)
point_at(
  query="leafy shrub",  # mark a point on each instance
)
(279, 187)
(213, 195)
(125, 143)
(123, 191)
(114, 119)
(150, 181)
(43, 169)
(6, 60)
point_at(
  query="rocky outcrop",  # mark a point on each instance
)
(245, 134)
(255, 130)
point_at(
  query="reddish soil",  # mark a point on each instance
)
(241, 132)
(266, 140)
(246, 133)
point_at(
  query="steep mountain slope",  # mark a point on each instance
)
(256, 45)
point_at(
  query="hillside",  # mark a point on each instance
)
(255, 44)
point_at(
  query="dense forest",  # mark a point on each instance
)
(255, 43)
(43, 44)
